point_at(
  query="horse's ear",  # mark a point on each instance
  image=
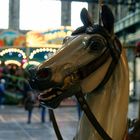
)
(107, 18)
(85, 18)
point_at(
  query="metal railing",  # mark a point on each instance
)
(128, 21)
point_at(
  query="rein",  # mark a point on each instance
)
(91, 117)
(55, 126)
(83, 72)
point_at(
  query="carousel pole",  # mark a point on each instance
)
(100, 9)
(138, 56)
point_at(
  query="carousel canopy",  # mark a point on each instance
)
(51, 38)
(10, 38)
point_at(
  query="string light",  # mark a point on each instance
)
(41, 50)
(30, 63)
(10, 50)
(7, 62)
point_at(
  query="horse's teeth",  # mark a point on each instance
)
(42, 93)
(45, 91)
(59, 92)
(50, 97)
(49, 89)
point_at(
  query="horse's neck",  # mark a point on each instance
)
(109, 105)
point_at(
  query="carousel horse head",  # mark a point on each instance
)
(91, 60)
(63, 74)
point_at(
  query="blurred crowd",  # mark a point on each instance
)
(15, 80)
(14, 83)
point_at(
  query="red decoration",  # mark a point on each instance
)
(24, 61)
(1, 43)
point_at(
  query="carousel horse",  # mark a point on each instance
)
(91, 65)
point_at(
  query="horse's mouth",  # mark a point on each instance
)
(49, 94)
(51, 97)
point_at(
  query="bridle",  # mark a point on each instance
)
(114, 49)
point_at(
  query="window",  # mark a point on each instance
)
(39, 14)
(4, 14)
(76, 8)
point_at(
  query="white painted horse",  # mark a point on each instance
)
(92, 62)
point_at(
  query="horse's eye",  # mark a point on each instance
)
(65, 39)
(95, 45)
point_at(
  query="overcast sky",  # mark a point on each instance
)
(41, 14)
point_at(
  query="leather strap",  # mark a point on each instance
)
(55, 126)
(91, 116)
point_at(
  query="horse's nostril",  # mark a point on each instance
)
(38, 79)
(43, 73)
